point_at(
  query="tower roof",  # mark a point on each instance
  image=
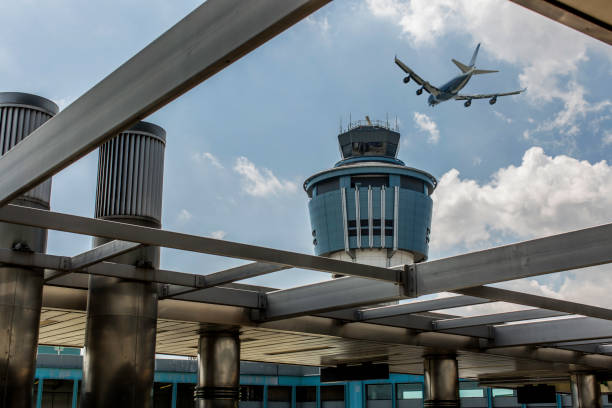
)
(368, 140)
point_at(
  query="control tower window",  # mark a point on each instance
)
(370, 181)
(413, 184)
(328, 185)
(369, 148)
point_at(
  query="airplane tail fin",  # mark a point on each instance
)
(484, 71)
(473, 60)
(464, 68)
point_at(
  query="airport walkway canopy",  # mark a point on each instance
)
(323, 324)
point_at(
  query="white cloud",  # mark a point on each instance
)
(184, 215)
(607, 139)
(502, 117)
(426, 124)
(207, 157)
(218, 234)
(261, 183)
(321, 23)
(543, 195)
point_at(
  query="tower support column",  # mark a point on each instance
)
(441, 386)
(585, 391)
(218, 368)
(21, 288)
(119, 355)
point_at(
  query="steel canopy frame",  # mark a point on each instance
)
(210, 38)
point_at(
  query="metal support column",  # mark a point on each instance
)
(119, 355)
(441, 375)
(21, 288)
(218, 368)
(585, 391)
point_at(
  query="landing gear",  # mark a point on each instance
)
(407, 79)
(419, 91)
(467, 103)
(493, 100)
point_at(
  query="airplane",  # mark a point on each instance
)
(450, 90)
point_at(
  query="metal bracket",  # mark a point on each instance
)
(409, 281)
(164, 291)
(200, 281)
(262, 300)
(21, 246)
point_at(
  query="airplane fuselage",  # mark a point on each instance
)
(450, 89)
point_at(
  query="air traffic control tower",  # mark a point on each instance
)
(370, 207)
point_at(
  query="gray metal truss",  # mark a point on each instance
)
(210, 38)
(552, 331)
(93, 256)
(416, 307)
(495, 318)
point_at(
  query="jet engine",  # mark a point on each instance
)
(493, 100)
(419, 91)
(407, 79)
(467, 103)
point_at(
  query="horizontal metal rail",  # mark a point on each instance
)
(417, 307)
(210, 38)
(496, 318)
(168, 239)
(542, 302)
(553, 331)
(93, 256)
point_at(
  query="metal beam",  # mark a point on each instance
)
(210, 38)
(556, 253)
(227, 276)
(341, 293)
(417, 307)
(554, 331)
(237, 295)
(98, 254)
(510, 296)
(157, 237)
(495, 318)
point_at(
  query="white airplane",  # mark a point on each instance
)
(450, 90)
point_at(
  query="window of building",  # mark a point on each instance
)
(471, 390)
(279, 393)
(184, 395)
(306, 394)
(379, 391)
(332, 393)
(162, 395)
(409, 391)
(251, 393)
(57, 393)
(328, 185)
(503, 392)
(411, 183)
(374, 181)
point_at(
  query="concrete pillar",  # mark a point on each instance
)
(119, 355)
(21, 288)
(441, 374)
(218, 368)
(586, 392)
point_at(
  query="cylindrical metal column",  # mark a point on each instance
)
(119, 359)
(21, 288)
(586, 392)
(441, 374)
(218, 369)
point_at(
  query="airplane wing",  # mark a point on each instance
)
(413, 75)
(486, 96)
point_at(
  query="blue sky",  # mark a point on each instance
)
(241, 144)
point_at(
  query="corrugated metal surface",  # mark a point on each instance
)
(130, 174)
(20, 115)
